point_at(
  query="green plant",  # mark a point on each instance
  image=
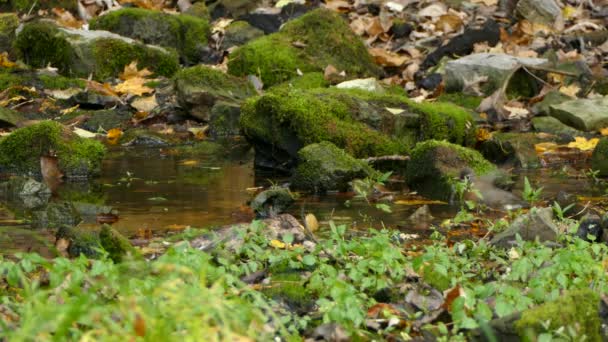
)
(365, 188)
(559, 211)
(530, 194)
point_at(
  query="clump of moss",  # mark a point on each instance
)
(40, 44)
(309, 80)
(60, 82)
(199, 10)
(78, 157)
(35, 5)
(465, 101)
(599, 158)
(445, 121)
(324, 37)
(202, 76)
(289, 288)
(324, 166)
(8, 78)
(185, 33)
(578, 310)
(8, 25)
(434, 165)
(117, 246)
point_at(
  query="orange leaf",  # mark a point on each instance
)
(114, 135)
(139, 326)
(5, 62)
(604, 131)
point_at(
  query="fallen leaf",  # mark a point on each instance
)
(338, 5)
(190, 162)
(311, 222)
(482, 134)
(277, 244)
(199, 133)
(516, 112)
(604, 131)
(133, 86)
(84, 133)
(387, 58)
(395, 111)
(5, 61)
(114, 135)
(433, 11)
(69, 110)
(570, 90)
(449, 23)
(139, 326)
(66, 19)
(486, 2)
(145, 104)
(583, 144)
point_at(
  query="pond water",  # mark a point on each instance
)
(159, 190)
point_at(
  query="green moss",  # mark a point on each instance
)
(60, 82)
(578, 310)
(81, 241)
(117, 246)
(326, 39)
(111, 56)
(445, 121)
(434, 165)
(185, 33)
(599, 158)
(9, 79)
(8, 22)
(214, 80)
(466, 101)
(199, 10)
(41, 44)
(78, 156)
(289, 288)
(27, 5)
(310, 80)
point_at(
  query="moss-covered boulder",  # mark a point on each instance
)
(25, 6)
(79, 53)
(272, 202)
(309, 43)
(514, 149)
(365, 124)
(239, 33)
(99, 120)
(599, 158)
(199, 10)
(9, 117)
(309, 80)
(8, 25)
(201, 88)
(78, 157)
(435, 165)
(117, 246)
(185, 33)
(79, 242)
(577, 310)
(324, 166)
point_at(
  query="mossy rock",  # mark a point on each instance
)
(325, 39)
(435, 165)
(117, 246)
(551, 125)
(185, 33)
(513, 149)
(232, 8)
(283, 121)
(289, 288)
(324, 166)
(24, 6)
(199, 88)
(310, 80)
(199, 10)
(51, 82)
(9, 117)
(8, 25)
(79, 53)
(272, 202)
(577, 310)
(80, 242)
(599, 158)
(239, 33)
(78, 157)
(99, 120)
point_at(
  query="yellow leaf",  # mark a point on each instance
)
(604, 131)
(113, 135)
(583, 144)
(133, 86)
(569, 12)
(546, 146)
(277, 244)
(69, 110)
(483, 134)
(189, 162)
(570, 90)
(5, 62)
(131, 71)
(311, 222)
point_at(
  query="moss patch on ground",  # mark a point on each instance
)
(78, 157)
(324, 38)
(185, 33)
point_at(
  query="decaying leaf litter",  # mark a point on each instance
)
(510, 63)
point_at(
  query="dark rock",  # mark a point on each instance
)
(590, 228)
(323, 167)
(431, 82)
(232, 8)
(513, 149)
(463, 44)
(536, 224)
(79, 242)
(268, 20)
(224, 119)
(271, 202)
(401, 29)
(599, 158)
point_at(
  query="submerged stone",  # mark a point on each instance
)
(434, 166)
(583, 114)
(551, 125)
(78, 157)
(309, 43)
(185, 33)
(81, 53)
(324, 167)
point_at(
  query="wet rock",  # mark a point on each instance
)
(89, 98)
(545, 12)
(55, 215)
(281, 122)
(590, 228)
(271, 202)
(550, 125)
(142, 137)
(199, 10)
(309, 43)
(78, 157)
(431, 82)
(463, 44)
(490, 194)
(324, 167)
(421, 215)
(25, 192)
(98, 120)
(80, 53)
(434, 166)
(513, 149)
(118, 247)
(495, 67)
(565, 200)
(232, 8)
(425, 298)
(200, 88)
(239, 33)
(553, 97)
(8, 25)
(401, 29)
(599, 158)
(78, 242)
(368, 84)
(224, 119)
(9, 117)
(538, 223)
(270, 19)
(185, 33)
(583, 114)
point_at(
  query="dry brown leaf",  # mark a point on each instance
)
(449, 23)
(570, 90)
(374, 27)
(133, 86)
(604, 131)
(104, 89)
(311, 222)
(66, 19)
(338, 5)
(387, 58)
(486, 2)
(131, 71)
(145, 104)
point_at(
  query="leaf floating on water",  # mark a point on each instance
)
(189, 162)
(157, 199)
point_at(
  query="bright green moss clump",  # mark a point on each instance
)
(185, 33)
(60, 82)
(40, 44)
(35, 5)
(434, 165)
(445, 121)
(322, 37)
(117, 246)
(309, 80)
(78, 157)
(576, 310)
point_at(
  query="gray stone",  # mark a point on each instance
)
(495, 67)
(538, 223)
(369, 84)
(551, 125)
(539, 11)
(583, 114)
(271, 202)
(25, 192)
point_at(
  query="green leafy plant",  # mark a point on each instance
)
(530, 194)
